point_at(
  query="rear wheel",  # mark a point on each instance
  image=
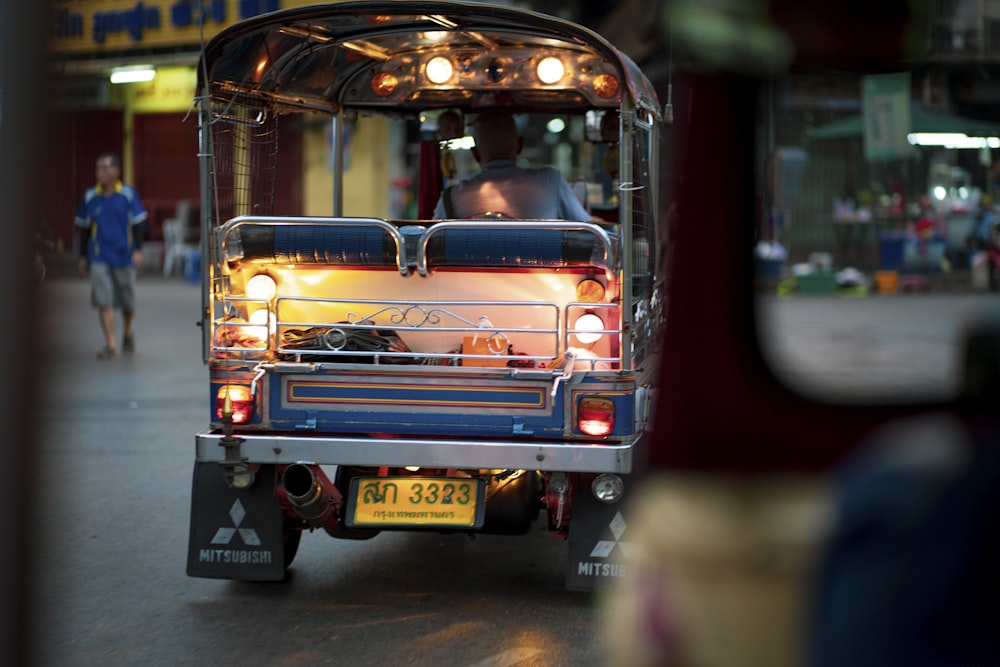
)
(514, 507)
(290, 538)
(342, 480)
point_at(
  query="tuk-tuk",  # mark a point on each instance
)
(399, 372)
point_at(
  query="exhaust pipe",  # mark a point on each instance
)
(312, 495)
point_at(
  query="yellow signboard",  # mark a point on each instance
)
(85, 27)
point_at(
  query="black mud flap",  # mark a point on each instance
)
(235, 534)
(599, 547)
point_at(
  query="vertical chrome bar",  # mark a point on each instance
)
(206, 169)
(337, 128)
(626, 172)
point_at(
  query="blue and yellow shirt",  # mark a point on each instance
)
(113, 219)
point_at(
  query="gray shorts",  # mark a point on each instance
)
(112, 286)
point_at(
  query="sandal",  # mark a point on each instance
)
(106, 353)
(128, 345)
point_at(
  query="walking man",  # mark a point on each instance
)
(111, 226)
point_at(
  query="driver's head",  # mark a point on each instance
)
(496, 136)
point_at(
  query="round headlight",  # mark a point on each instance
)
(439, 70)
(550, 70)
(559, 483)
(261, 287)
(261, 318)
(585, 325)
(608, 488)
(239, 477)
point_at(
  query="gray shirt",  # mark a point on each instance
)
(526, 194)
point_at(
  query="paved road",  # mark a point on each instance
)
(112, 502)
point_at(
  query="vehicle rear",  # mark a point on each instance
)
(380, 370)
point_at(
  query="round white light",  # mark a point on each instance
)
(240, 477)
(556, 125)
(550, 70)
(261, 287)
(608, 488)
(439, 70)
(261, 316)
(586, 323)
(558, 483)
(264, 325)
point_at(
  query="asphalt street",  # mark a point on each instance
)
(112, 496)
(114, 468)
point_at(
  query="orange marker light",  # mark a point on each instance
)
(384, 84)
(606, 86)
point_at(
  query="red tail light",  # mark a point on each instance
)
(239, 404)
(595, 415)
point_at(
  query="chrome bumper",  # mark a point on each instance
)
(423, 452)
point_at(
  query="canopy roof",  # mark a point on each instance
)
(327, 57)
(921, 120)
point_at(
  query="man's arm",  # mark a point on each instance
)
(569, 206)
(439, 213)
(83, 231)
(83, 243)
(138, 235)
(83, 238)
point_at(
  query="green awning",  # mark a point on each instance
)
(921, 120)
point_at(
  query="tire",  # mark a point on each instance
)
(290, 538)
(342, 480)
(514, 507)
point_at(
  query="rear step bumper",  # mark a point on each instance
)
(423, 452)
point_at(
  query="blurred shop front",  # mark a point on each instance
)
(152, 124)
(890, 175)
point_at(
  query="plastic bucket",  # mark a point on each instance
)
(887, 282)
(192, 266)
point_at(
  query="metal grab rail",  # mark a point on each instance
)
(231, 243)
(441, 228)
(375, 335)
(388, 320)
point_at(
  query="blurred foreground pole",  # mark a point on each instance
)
(22, 107)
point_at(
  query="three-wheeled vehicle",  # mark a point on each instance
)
(381, 369)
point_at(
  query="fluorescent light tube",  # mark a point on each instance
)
(132, 74)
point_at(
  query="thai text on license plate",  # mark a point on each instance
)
(415, 501)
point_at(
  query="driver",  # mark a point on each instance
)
(503, 188)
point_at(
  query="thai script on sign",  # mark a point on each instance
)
(145, 16)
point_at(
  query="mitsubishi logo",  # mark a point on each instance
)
(248, 535)
(603, 548)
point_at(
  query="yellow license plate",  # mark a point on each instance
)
(415, 501)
